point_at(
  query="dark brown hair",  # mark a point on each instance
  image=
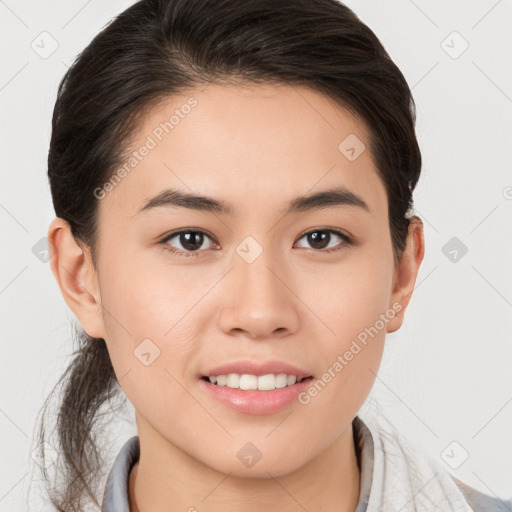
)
(159, 48)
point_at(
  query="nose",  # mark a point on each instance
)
(259, 301)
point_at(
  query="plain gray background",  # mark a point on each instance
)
(445, 380)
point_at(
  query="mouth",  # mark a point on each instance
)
(255, 394)
(249, 382)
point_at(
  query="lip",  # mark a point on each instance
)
(257, 368)
(254, 401)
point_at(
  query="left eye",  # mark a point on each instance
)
(326, 234)
(192, 240)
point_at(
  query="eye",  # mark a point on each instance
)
(319, 237)
(192, 241)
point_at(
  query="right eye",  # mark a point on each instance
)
(191, 241)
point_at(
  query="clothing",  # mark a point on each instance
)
(395, 477)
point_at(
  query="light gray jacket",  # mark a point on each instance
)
(395, 477)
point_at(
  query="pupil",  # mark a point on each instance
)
(313, 238)
(190, 245)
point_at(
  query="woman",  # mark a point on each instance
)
(232, 182)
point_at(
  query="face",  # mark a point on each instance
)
(312, 287)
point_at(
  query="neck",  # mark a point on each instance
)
(166, 479)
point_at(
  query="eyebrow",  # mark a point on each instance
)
(339, 196)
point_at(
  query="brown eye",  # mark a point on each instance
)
(319, 239)
(191, 241)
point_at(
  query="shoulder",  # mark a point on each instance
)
(400, 476)
(481, 502)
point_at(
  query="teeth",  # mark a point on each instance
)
(261, 383)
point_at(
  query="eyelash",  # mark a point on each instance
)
(184, 254)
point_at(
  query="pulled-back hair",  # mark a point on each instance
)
(159, 48)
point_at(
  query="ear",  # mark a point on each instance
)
(406, 271)
(76, 277)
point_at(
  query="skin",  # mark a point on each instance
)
(257, 148)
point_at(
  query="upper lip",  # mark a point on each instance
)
(257, 368)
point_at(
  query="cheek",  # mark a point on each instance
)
(148, 329)
(354, 306)
(145, 301)
(150, 341)
(352, 297)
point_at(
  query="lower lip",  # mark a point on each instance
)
(254, 401)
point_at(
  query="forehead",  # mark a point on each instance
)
(250, 146)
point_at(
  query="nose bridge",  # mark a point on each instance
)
(261, 302)
(258, 270)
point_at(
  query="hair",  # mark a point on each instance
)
(156, 49)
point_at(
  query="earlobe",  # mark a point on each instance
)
(77, 279)
(406, 272)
